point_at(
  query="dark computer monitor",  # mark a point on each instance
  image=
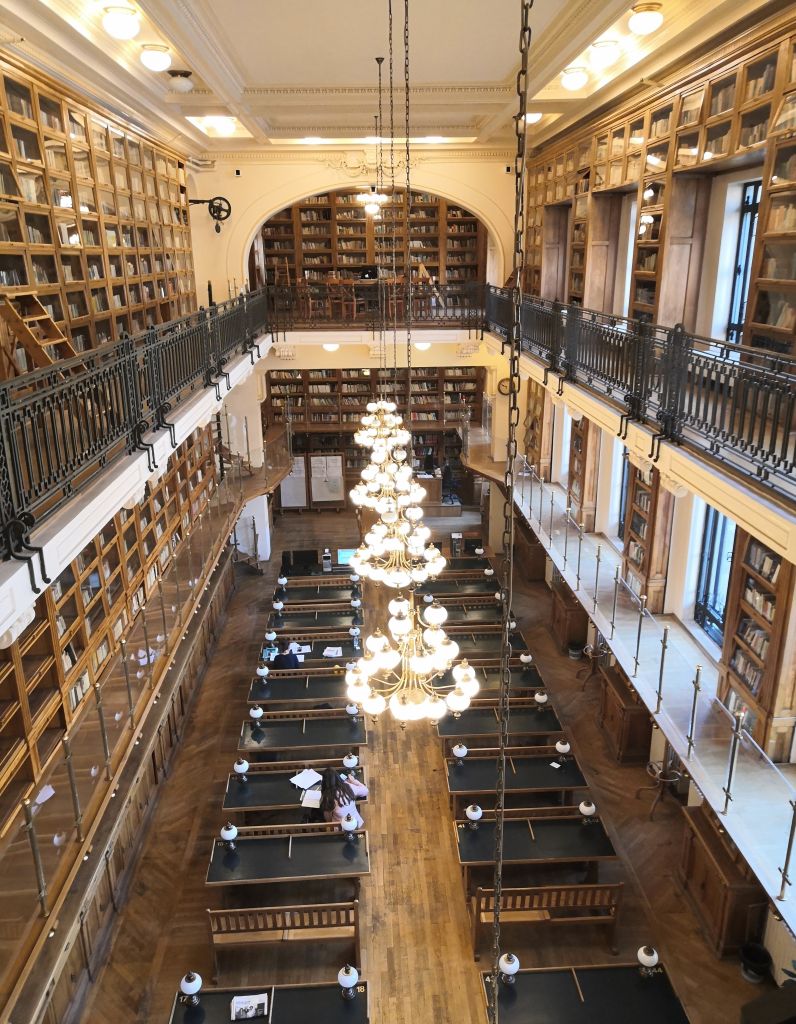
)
(369, 273)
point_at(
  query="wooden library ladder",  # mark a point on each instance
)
(30, 326)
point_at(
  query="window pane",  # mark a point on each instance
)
(714, 574)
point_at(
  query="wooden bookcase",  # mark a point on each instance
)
(729, 108)
(624, 718)
(329, 237)
(93, 215)
(47, 673)
(584, 451)
(759, 646)
(538, 428)
(648, 528)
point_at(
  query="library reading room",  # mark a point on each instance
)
(398, 511)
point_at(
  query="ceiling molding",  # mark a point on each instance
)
(314, 155)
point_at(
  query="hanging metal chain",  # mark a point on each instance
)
(514, 344)
(380, 228)
(392, 201)
(409, 295)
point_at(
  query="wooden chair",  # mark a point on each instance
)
(312, 922)
(549, 904)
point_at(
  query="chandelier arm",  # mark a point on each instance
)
(507, 564)
(409, 295)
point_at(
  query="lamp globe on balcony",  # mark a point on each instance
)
(190, 987)
(508, 965)
(350, 760)
(240, 768)
(459, 751)
(262, 670)
(541, 698)
(474, 815)
(256, 713)
(588, 810)
(229, 834)
(562, 747)
(347, 979)
(648, 959)
(349, 826)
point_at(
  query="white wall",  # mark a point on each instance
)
(268, 183)
(256, 512)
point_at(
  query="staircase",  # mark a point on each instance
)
(29, 326)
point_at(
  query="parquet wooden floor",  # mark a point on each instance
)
(415, 934)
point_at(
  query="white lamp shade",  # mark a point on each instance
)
(355, 602)
(479, 551)
(256, 713)
(457, 701)
(351, 709)
(348, 976)
(282, 581)
(156, 58)
(191, 983)
(228, 832)
(474, 812)
(459, 750)
(574, 78)
(278, 606)
(350, 760)
(358, 692)
(463, 672)
(241, 766)
(526, 658)
(376, 642)
(647, 956)
(587, 808)
(354, 578)
(354, 631)
(428, 598)
(270, 635)
(508, 964)
(374, 704)
(541, 698)
(562, 747)
(646, 18)
(262, 671)
(121, 21)
(398, 606)
(435, 614)
(436, 709)
(349, 823)
(489, 571)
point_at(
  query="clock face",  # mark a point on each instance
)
(504, 386)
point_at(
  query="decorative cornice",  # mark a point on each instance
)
(312, 155)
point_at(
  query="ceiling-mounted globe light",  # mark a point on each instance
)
(372, 209)
(533, 117)
(155, 57)
(574, 78)
(121, 21)
(604, 53)
(330, 346)
(645, 19)
(181, 81)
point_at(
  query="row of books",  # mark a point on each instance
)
(762, 602)
(755, 637)
(750, 674)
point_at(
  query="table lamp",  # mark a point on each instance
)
(350, 760)
(347, 979)
(349, 826)
(588, 810)
(512, 623)
(270, 636)
(428, 598)
(508, 965)
(240, 768)
(562, 748)
(459, 751)
(648, 958)
(262, 670)
(541, 699)
(474, 815)
(352, 710)
(281, 585)
(190, 986)
(229, 834)
(256, 713)
(526, 658)
(278, 606)
(489, 572)
(479, 551)
(354, 632)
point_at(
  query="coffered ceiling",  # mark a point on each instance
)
(295, 72)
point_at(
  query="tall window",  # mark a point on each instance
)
(714, 574)
(624, 487)
(747, 229)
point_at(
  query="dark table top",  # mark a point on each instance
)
(450, 587)
(554, 840)
(611, 995)
(315, 595)
(489, 678)
(475, 563)
(461, 616)
(297, 619)
(288, 734)
(481, 645)
(528, 775)
(265, 859)
(265, 791)
(484, 722)
(315, 657)
(293, 1004)
(297, 690)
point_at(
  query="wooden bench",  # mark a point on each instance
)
(312, 922)
(549, 904)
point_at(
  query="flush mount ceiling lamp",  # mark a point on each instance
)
(156, 58)
(645, 19)
(181, 81)
(422, 346)
(574, 78)
(330, 346)
(121, 21)
(604, 53)
(372, 200)
(533, 117)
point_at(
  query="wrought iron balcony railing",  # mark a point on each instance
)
(62, 425)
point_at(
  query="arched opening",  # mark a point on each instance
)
(329, 236)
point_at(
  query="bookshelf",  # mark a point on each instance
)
(93, 215)
(329, 237)
(756, 643)
(648, 527)
(584, 450)
(538, 428)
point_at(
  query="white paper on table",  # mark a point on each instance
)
(44, 794)
(554, 764)
(311, 798)
(333, 652)
(304, 648)
(306, 778)
(299, 657)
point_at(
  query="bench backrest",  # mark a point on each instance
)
(306, 916)
(553, 897)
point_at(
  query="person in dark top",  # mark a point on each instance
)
(285, 658)
(447, 483)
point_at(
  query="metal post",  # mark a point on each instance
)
(530, 491)
(163, 613)
(103, 731)
(541, 495)
(190, 560)
(567, 513)
(41, 881)
(130, 701)
(255, 539)
(641, 609)
(70, 771)
(736, 739)
(664, 646)
(581, 527)
(175, 562)
(616, 598)
(692, 723)
(246, 435)
(550, 529)
(149, 661)
(786, 866)
(597, 576)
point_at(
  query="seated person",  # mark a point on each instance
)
(286, 658)
(338, 793)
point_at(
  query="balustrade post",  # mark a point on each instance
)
(541, 496)
(149, 661)
(733, 761)
(664, 648)
(788, 853)
(163, 612)
(127, 683)
(70, 771)
(597, 577)
(550, 527)
(641, 610)
(567, 512)
(103, 731)
(176, 564)
(692, 723)
(255, 539)
(38, 866)
(530, 492)
(616, 599)
(581, 528)
(246, 435)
